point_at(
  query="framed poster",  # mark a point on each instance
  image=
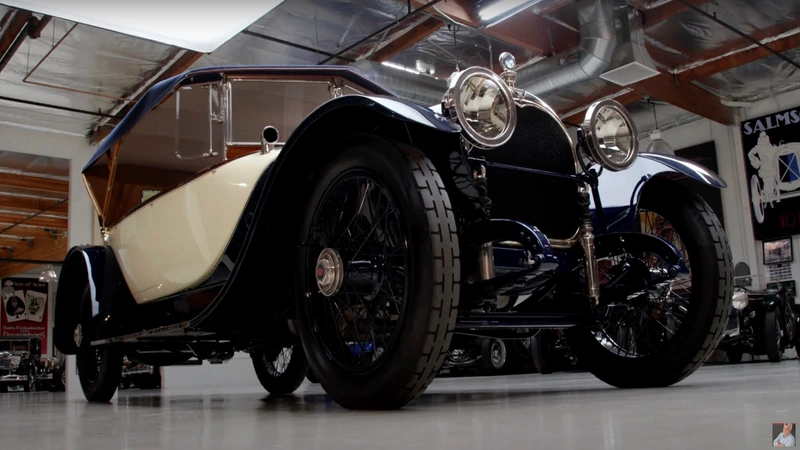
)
(778, 251)
(24, 308)
(771, 147)
(706, 155)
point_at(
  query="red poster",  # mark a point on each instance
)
(24, 308)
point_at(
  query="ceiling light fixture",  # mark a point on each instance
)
(657, 142)
(401, 67)
(48, 275)
(198, 28)
(500, 10)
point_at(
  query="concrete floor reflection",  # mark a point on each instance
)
(719, 407)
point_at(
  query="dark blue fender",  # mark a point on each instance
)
(620, 192)
(92, 268)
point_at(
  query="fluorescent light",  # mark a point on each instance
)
(504, 7)
(401, 67)
(201, 27)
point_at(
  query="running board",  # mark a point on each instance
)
(500, 320)
(144, 334)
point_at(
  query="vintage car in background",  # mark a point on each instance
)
(762, 322)
(141, 376)
(260, 208)
(23, 368)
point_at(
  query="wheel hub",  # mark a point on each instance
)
(77, 335)
(329, 272)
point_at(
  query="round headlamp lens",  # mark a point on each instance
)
(483, 105)
(611, 135)
(485, 109)
(740, 300)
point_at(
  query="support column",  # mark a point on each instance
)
(80, 231)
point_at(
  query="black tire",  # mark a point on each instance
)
(494, 355)
(100, 367)
(423, 328)
(704, 324)
(773, 341)
(59, 380)
(734, 356)
(283, 378)
(542, 352)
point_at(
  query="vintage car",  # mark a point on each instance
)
(255, 208)
(762, 322)
(20, 363)
(142, 376)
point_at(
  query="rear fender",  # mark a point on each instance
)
(621, 191)
(112, 306)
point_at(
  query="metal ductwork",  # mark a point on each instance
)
(418, 88)
(631, 62)
(598, 40)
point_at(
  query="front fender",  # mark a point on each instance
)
(620, 192)
(94, 268)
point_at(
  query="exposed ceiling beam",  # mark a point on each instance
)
(31, 204)
(34, 183)
(664, 87)
(524, 30)
(738, 59)
(407, 40)
(182, 64)
(12, 36)
(37, 221)
(654, 16)
(30, 232)
(54, 250)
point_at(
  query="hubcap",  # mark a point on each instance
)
(498, 354)
(329, 272)
(77, 335)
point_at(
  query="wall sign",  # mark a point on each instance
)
(771, 149)
(24, 304)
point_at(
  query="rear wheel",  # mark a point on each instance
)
(773, 339)
(659, 334)
(494, 355)
(99, 367)
(280, 371)
(378, 272)
(543, 351)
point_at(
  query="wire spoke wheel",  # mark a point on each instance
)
(649, 318)
(359, 249)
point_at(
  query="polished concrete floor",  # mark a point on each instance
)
(721, 406)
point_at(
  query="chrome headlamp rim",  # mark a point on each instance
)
(588, 126)
(740, 300)
(453, 107)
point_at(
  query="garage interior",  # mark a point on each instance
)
(698, 77)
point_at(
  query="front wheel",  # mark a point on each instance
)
(281, 371)
(657, 334)
(99, 367)
(494, 355)
(378, 272)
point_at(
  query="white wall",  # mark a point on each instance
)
(81, 212)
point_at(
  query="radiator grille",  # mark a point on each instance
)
(547, 202)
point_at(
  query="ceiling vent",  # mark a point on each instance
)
(631, 62)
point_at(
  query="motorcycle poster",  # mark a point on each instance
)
(771, 146)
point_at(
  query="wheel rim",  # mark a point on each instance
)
(498, 354)
(89, 360)
(278, 366)
(646, 324)
(358, 251)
